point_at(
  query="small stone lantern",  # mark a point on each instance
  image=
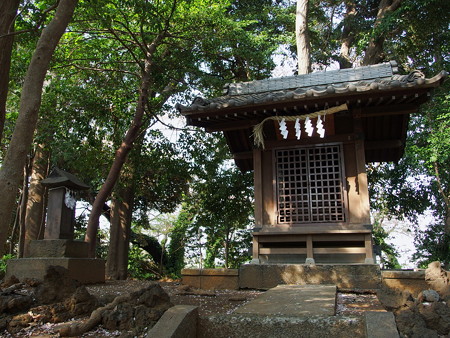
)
(62, 187)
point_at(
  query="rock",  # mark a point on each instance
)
(4, 322)
(56, 287)
(18, 303)
(33, 282)
(119, 318)
(438, 279)
(81, 302)
(11, 301)
(393, 299)
(143, 310)
(411, 324)
(58, 313)
(152, 296)
(436, 316)
(10, 281)
(18, 322)
(428, 296)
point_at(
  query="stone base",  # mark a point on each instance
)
(411, 281)
(246, 326)
(85, 270)
(59, 248)
(211, 279)
(345, 277)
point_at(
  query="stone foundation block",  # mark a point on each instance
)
(59, 248)
(211, 279)
(85, 270)
(266, 276)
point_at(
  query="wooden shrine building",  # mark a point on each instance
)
(308, 138)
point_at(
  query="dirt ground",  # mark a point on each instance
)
(209, 302)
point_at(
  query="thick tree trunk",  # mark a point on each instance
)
(120, 229)
(347, 36)
(302, 37)
(36, 198)
(374, 52)
(30, 101)
(8, 12)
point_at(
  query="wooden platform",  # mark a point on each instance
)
(312, 245)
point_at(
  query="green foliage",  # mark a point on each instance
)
(421, 179)
(141, 265)
(152, 247)
(178, 239)
(432, 244)
(3, 263)
(388, 251)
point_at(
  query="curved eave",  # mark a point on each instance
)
(226, 104)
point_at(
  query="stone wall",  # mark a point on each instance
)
(406, 280)
(345, 277)
(211, 279)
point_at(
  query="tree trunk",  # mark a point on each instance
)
(120, 229)
(15, 228)
(124, 149)
(23, 209)
(113, 250)
(302, 37)
(447, 222)
(374, 52)
(347, 36)
(8, 10)
(30, 101)
(116, 167)
(36, 198)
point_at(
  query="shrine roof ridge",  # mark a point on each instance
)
(320, 84)
(382, 70)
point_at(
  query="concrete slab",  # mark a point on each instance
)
(294, 301)
(380, 325)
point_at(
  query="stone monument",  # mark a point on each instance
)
(58, 248)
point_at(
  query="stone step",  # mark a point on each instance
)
(273, 326)
(294, 301)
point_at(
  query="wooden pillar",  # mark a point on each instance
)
(309, 250)
(255, 250)
(257, 179)
(369, 249)
(362, 184)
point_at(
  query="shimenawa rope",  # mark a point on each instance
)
(258, 134)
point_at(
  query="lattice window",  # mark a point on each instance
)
(309, 185)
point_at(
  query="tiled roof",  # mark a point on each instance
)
(384, 70)
(336, 82)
